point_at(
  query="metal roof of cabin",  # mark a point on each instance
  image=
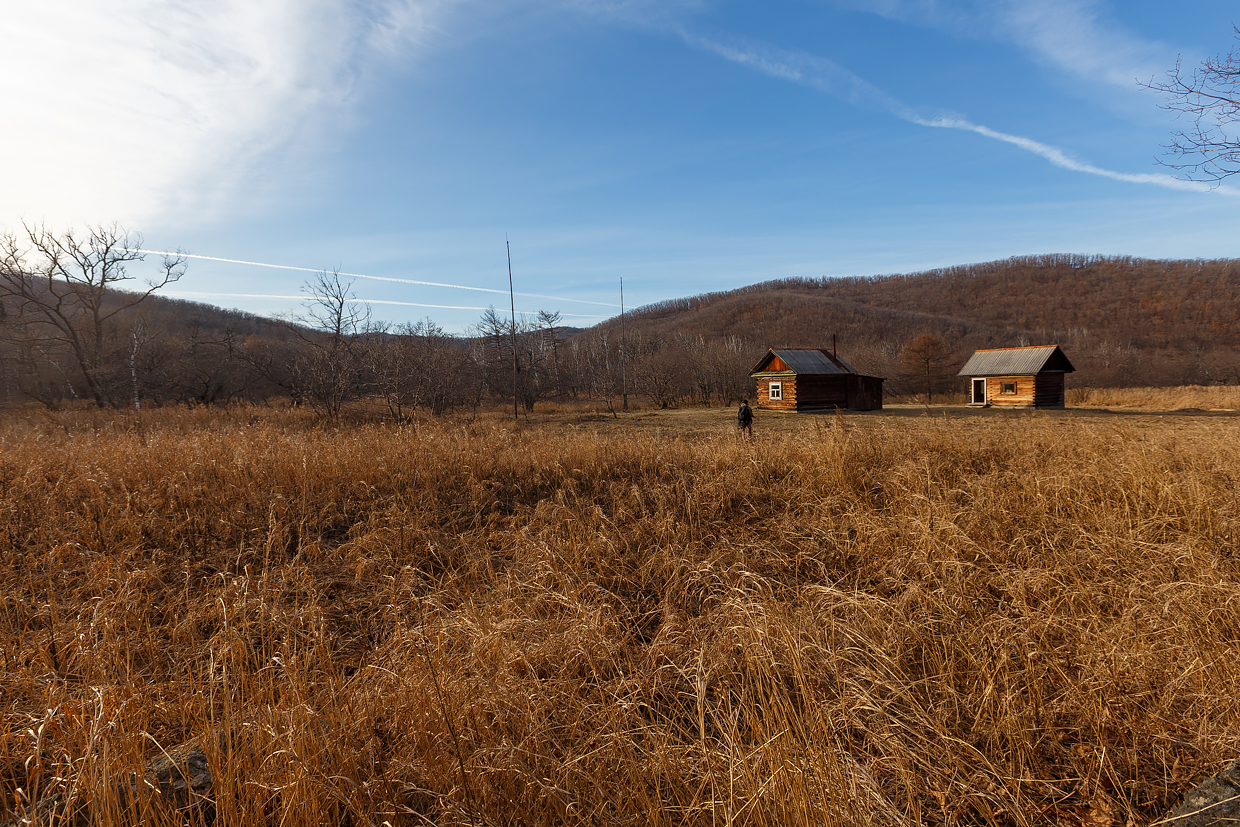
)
(807, 361)
(1016, 361)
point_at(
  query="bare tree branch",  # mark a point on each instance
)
(65, 290)
(1209, 96)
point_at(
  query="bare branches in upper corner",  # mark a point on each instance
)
(1209, 149)
(65, 293)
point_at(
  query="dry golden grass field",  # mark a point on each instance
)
(919, 616)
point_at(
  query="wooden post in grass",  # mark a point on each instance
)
(512, 304)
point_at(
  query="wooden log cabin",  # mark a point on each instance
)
(1017, 377)
(813, 380)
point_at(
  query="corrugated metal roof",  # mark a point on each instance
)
(809, 361)
(806, 361)
(1016, 361)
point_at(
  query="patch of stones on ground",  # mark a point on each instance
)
(176, 787)
(179, 787)
(1214, 802)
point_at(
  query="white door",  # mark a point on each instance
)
(979, 391)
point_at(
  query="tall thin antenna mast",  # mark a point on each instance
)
(624, 356)
(512, 304)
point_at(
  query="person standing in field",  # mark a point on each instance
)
(744, 419)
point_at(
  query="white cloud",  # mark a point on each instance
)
(1071, 36)
(638, 12)
(146, 111)
(816, 72)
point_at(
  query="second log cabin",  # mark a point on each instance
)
(1017, 377)
(813, 379)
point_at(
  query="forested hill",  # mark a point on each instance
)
(1122, 320)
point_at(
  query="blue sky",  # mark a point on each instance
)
(684, 145)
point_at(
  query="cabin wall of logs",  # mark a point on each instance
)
(1043, 390)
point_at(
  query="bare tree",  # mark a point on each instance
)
(493, 351)
(549, 325)
(65, 292)
(536, 360)
(924, 362)
(196, 366)
(661, 370)
(420, 365)
(602, 366)
(1209, 149)
(139, 336)
(327, 370)
(39, 371)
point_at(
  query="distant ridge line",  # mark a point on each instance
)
(972, 270)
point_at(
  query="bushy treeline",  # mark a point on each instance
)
(161, 359)
(72, 327)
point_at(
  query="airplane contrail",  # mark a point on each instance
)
(379, 278)
(195, 293)
(1061, 159)
(829, 77)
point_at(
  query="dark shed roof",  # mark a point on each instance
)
(806, 361)
(1016, 361)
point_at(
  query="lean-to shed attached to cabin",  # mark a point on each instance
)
(1017, 377)
(812, 379)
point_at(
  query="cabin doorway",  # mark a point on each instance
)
(979, 392)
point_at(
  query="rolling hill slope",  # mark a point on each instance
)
(1122, 320)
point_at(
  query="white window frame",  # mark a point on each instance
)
(775, 391)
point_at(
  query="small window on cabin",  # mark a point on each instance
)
(1007, 387)
(775, 390)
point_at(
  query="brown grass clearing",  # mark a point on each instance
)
(1189, 397)
(904, 618)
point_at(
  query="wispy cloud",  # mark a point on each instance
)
(140, 110)
(1072, 36)
(637, 12)
(809, 70)
(833, 79)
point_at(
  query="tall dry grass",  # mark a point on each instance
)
(921, 621)
(1202, 397)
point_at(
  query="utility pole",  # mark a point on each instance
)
(624, 355)
(512, 304)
